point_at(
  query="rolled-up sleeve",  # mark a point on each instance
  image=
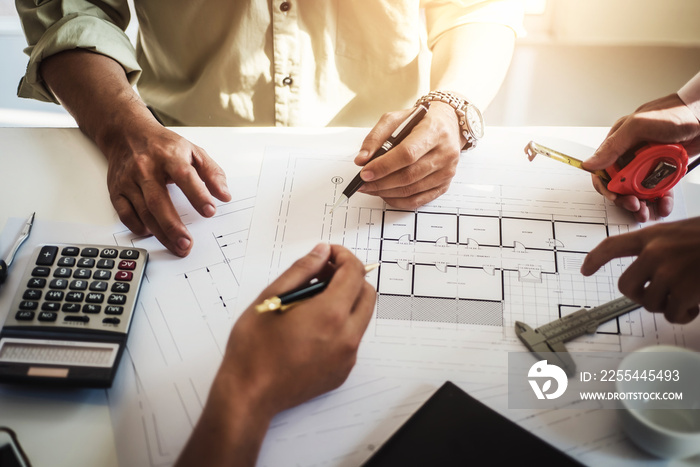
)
(52, 26)
(443, 15)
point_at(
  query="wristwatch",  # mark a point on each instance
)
(471, 121)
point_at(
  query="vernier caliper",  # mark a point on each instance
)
(550, 337)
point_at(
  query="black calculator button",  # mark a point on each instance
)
(47, 256)
(82, 274)
(129, 254)
(58, 284)
(28, 305)
(70, 251)
(31, 294)
(50, 306)
(90, 252)
(66, 261)
(70, 307)
(105, 264)
(36, 283)
(108, 253)
(111, 320)
(116, 299)
(127, 265)
(86, 263)
(123, 275)
(47, 316)
(77, 319)
(41, 271)
(101, 274)
(122, 287)
(24, 316)
(78, 284)
(98, 286)
(62, 272)
(74, 297)
(93, 309)
(95, 298)
(114, 310)
(54, 295)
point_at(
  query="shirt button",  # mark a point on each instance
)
(285, 6)
(287, 81)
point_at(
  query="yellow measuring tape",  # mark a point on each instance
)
(532, 149)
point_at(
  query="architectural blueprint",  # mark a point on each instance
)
(505, 243)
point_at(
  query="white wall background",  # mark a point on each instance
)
(582, 63)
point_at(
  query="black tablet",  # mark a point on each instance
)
(454, 429)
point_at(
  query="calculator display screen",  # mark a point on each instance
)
(54, 352)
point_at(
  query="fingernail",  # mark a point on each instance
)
(361, 156)
(320, 249)
(367, 175)
(209, 210)
(184, 243)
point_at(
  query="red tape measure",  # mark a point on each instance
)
(649, 172)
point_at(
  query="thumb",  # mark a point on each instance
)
(301, 272)
(610, 150)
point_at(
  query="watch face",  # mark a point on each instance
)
(475, 121)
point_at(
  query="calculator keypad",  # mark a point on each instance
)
(79, 286)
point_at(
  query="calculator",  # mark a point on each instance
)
(69, 320)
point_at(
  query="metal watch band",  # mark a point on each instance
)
(460, 105)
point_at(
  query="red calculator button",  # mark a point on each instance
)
(123, 275)
(127, 264)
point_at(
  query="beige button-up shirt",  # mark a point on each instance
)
(262, 63)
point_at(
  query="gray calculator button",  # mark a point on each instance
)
(121, 287)
(86, 263)
(54, 295)
(101, 274)
(108, 253)
(77, 319)
(105, 264)
(66, 261)
(90, 252)
(24, 316)
(47, 316)
(70, 307)
(111, 321)
(62, 272)
(36, 283)
(93, 309)
(32, 294)
(28, 305)
(78, 284)
(82, 274)
(116, 299)
(98, 286)
(41, 271)
(129, 254)
(95, 298)
(114, 310)
(50, 306)
(47, 255)
(58, 284)
(74, 297)
(70, 251)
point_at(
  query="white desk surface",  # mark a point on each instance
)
(60, 175)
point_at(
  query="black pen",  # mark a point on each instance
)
(285, 301)
(396, 137)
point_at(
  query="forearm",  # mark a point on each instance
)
(230, 430)
(472, 60)
(95, 91)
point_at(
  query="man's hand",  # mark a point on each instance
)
(143, 159)
(420, 168)
(277, 361)
(665, 276)
(664, 120)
